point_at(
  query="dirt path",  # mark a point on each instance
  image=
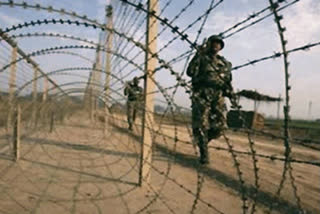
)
(79, 169)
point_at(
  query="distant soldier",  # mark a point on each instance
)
(134, 97)
(211, 82)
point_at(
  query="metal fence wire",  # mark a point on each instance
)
(65, 146)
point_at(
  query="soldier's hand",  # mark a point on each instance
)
(236, 106)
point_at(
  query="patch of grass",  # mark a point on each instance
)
(304, 124)
(302, 129)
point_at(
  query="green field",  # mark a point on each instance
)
(301, 129)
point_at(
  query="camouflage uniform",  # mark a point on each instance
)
(211, 82)
(134, 97)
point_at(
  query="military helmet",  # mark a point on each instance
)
(216, 38)
(136, 80)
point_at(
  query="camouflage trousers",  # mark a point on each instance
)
(208, 118)
(132, 107)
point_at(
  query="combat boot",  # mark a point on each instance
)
(204, 156)
(214, 133)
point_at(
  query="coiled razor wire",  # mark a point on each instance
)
(180, 35)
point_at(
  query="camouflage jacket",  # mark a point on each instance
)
(214, 73)
(133, 92)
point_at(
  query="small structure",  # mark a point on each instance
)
(245, 119)
(249, 119)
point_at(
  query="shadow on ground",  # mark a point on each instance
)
(189, 161)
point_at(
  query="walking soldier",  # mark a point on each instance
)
(134, 97)
(211, 82)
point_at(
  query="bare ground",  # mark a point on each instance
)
(79, 168)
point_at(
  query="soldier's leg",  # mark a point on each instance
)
(216, 126)
(204, 153)
(199, 131)
(202, 142)
(129, 114)
(134, 111)
(216, 120)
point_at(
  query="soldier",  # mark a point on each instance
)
(134, 96)
(211, 82)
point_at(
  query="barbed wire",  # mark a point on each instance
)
(125, 40)
(24, 68)
(242, 22)
(50, 9)
(72, 54)
(53, 50)
(184, 9)
(13, 44)
(277, 9)
(115, 62)
(277, 55)
(251, 62)
(141, 37)
(45, 34)
(304, 47)
(270, 157)
(253, 15)
(60, 21)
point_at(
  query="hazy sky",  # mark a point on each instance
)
(260, 40)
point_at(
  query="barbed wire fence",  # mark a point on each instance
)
(37, 107)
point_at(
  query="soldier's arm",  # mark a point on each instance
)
(231, 95)
(194, 65)
(125, 91)
(139, 90)
(228, 90)
(141, 95)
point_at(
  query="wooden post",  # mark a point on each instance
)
(86, 97)
(95, 82)
(17, 133)
(147, 120)
(12, 84)
(34, 96)
(44, 111)
(91, 104)
(97, 79)
(109, 40)
(91, 94)
(45, 89)
(51, 121)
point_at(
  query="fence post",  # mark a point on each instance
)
(51, 121)
(17, 133)
(12, 84)
(109, 40)
(45, 89)
(34, 96)
(91, 104)
(147, 119)
(96, 82)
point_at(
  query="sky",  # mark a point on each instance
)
(257, 41)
